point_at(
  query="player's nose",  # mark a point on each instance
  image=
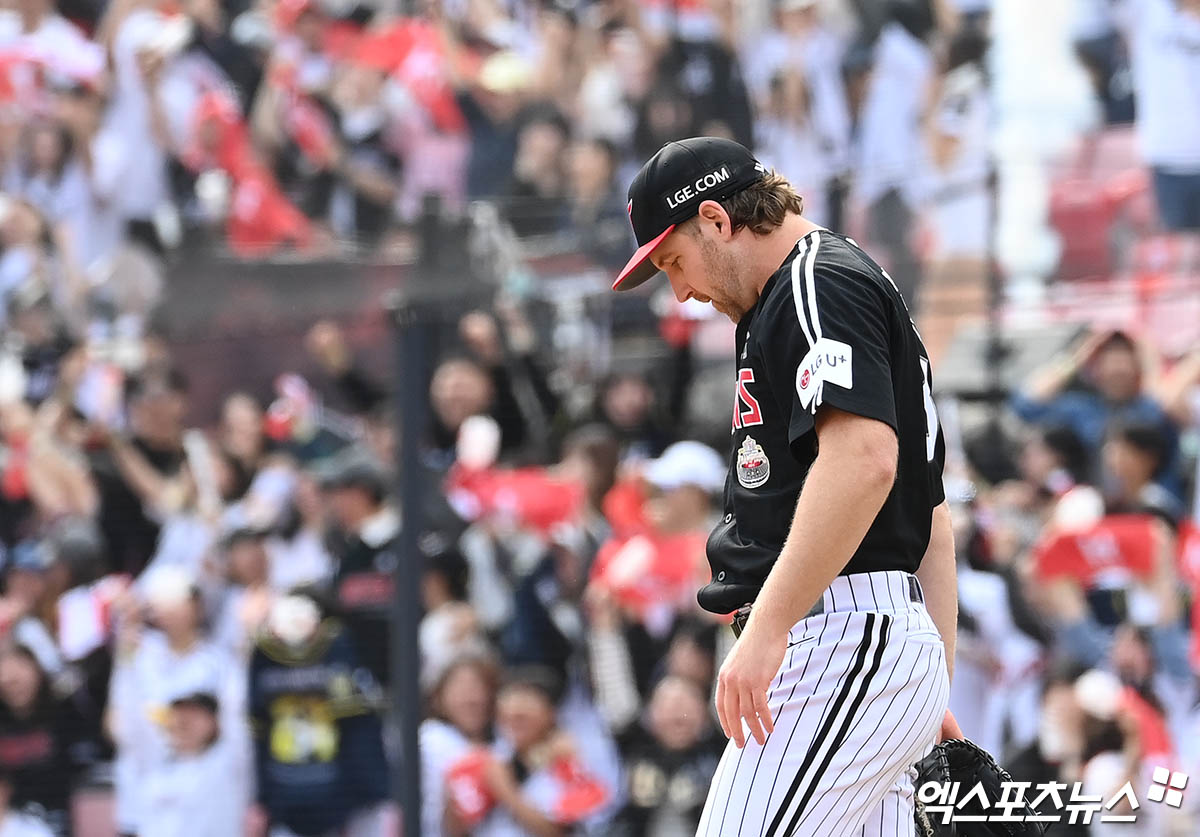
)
(682, 292)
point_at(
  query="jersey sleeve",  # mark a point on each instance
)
(838, 351)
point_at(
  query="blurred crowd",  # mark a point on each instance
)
(194, 625)
(314, 128)
(196, 621)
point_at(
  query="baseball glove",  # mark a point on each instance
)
(958, 761)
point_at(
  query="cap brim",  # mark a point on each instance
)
(639, 268)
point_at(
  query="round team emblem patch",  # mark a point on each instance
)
(753, 467)
(805, 377)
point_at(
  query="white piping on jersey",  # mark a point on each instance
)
(809, 264)
(807, 258)
(803, 260)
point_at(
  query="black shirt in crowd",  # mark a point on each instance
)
(44, 751)
(130, 534)
(830, 328)
(665, 789)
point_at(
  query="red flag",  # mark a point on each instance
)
(412, 51)
(1189, 571)
(531, 497)
(1153, 736)
(582, 794)
(1118, 543)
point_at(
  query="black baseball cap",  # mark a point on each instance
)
(670, 188)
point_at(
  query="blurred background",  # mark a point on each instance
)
(204, 205)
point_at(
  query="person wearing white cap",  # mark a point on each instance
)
(153, 667)
(687, 476)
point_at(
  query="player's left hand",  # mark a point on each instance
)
(742, 685)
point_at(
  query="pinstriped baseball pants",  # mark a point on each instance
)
(858, 700)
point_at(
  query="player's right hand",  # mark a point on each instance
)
(950, 728)
(742, 685)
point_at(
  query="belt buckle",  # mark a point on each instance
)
(739, 620)
(914, 590)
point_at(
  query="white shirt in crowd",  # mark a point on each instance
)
(200, 796)
(1165, 47)
(134, 154)
(996, 687)
(442, 745)
(16, 824)
(891, 149)
(790, 148)
(55, 41)
(142, 687)
(817, 58)
(959, 205)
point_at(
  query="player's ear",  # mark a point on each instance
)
(713, 215)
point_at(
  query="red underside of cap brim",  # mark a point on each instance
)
(639, 268)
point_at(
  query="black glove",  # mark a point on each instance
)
(961, 761)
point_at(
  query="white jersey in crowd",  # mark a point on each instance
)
(792, 149)
(17, 824)
(441, 746)
(891, 151)
(142, 687)
(957, 192)
(200, 796)
(817, 57)
(1165, 46)
(996, 683)
(133, 148)
(54, 41)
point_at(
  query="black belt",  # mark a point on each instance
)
(743, 613)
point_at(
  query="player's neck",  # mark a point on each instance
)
(774, 247)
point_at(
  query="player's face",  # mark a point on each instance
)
(702, 269)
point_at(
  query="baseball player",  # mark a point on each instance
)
(835, 550)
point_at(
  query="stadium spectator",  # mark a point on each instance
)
(1163, 37)
(890, 149)
(244, 605)
(459, 724)
(595, 202)
(318, 741)
(16, 823)
(1133, 454)
(627, 405)
(493, 107)
(1107, 376)
(534, 776)
(141, 478)
(957, 205)
(363, 543)
(537, 195)
(154, 667)
(795, 74)
(668, 760)
(1056, 754)
(190, 792)
(449, 628)
(43, 739)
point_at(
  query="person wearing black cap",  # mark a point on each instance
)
(833, 502)
(363, 541)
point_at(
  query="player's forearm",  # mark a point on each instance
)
(842, 495)
(938, 575)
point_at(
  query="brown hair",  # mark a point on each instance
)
(761, 207)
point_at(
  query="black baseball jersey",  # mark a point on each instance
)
(829, 328)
